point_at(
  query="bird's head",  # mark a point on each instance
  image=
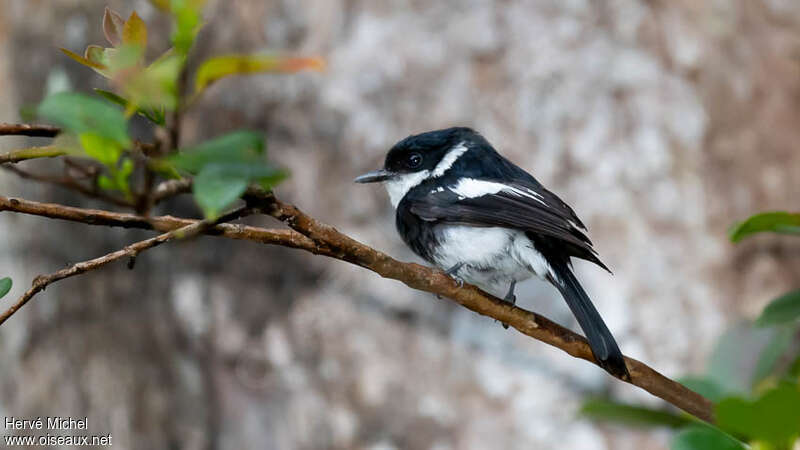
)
(421, 157)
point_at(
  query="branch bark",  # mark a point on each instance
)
(23, 129)
(70, 183)
(318, 238)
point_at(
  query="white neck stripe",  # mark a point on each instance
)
(449, 159)
(399, 186)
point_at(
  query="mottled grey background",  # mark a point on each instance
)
(661, 122)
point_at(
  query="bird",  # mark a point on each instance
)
(468, 210)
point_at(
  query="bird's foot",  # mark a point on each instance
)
(453, 272)
(510, 298)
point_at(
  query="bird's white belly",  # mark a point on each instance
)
(493, 257)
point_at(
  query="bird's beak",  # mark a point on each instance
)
(374, 176)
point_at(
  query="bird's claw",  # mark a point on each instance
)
(510, 298)
(453, 274)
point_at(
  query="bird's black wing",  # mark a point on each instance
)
(520, 205)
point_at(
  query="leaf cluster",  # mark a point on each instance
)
(97, 127)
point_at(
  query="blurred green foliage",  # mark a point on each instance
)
(224, 167)
(97, 127)
(776, 222)
(227, 65)
(752, 375)
(5, 286)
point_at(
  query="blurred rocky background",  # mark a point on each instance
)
(661, 122)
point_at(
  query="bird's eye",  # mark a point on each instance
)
(414, 160)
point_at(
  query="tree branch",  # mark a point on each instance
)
(322, 239)
(130, 251)
(69, 183)
(15, 156)
(171, 188)
(286, 238)
(33, 130)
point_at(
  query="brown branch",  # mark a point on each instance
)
(286, 238)
(171, 188)
(131, 251)
(529, 323)
(33, 130)
(321, 239)
(68, 183)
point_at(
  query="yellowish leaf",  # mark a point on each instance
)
(163, 5)
(222, 66)
(135, 31)
(83, 60)
(113, 24)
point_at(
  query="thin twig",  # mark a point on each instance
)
(130, 251)
(286, 238)
(15, 156)
(171, 188)
(175, 118)
(68, 183)
(24, 129)
(144, 199)
(322, 239)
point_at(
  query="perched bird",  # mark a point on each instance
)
(463, 207)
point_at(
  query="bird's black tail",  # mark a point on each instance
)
(603, 345)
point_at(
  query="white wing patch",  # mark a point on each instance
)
(471, 188)
(399, 186)
(449, 159)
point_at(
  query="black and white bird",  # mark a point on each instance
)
(463, 207)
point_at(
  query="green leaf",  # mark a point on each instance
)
(733, 363)
(80, 114)
(105, 183)
(222, 66)
(95, 54)
(135, 31)
(118, 178)
(607, 410)
(157, 85)
(187, 17)
(770, 355)
(124, 61)
(122, 175)
(238, 146)
(99, 148)
(782, 310)
(794, 368)
(214, 190)
(703, 386)
(774, 417)
(776, 222)
(224, 167)
(699, 437)
(155, 115)
(5, 286)
(218, 185)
